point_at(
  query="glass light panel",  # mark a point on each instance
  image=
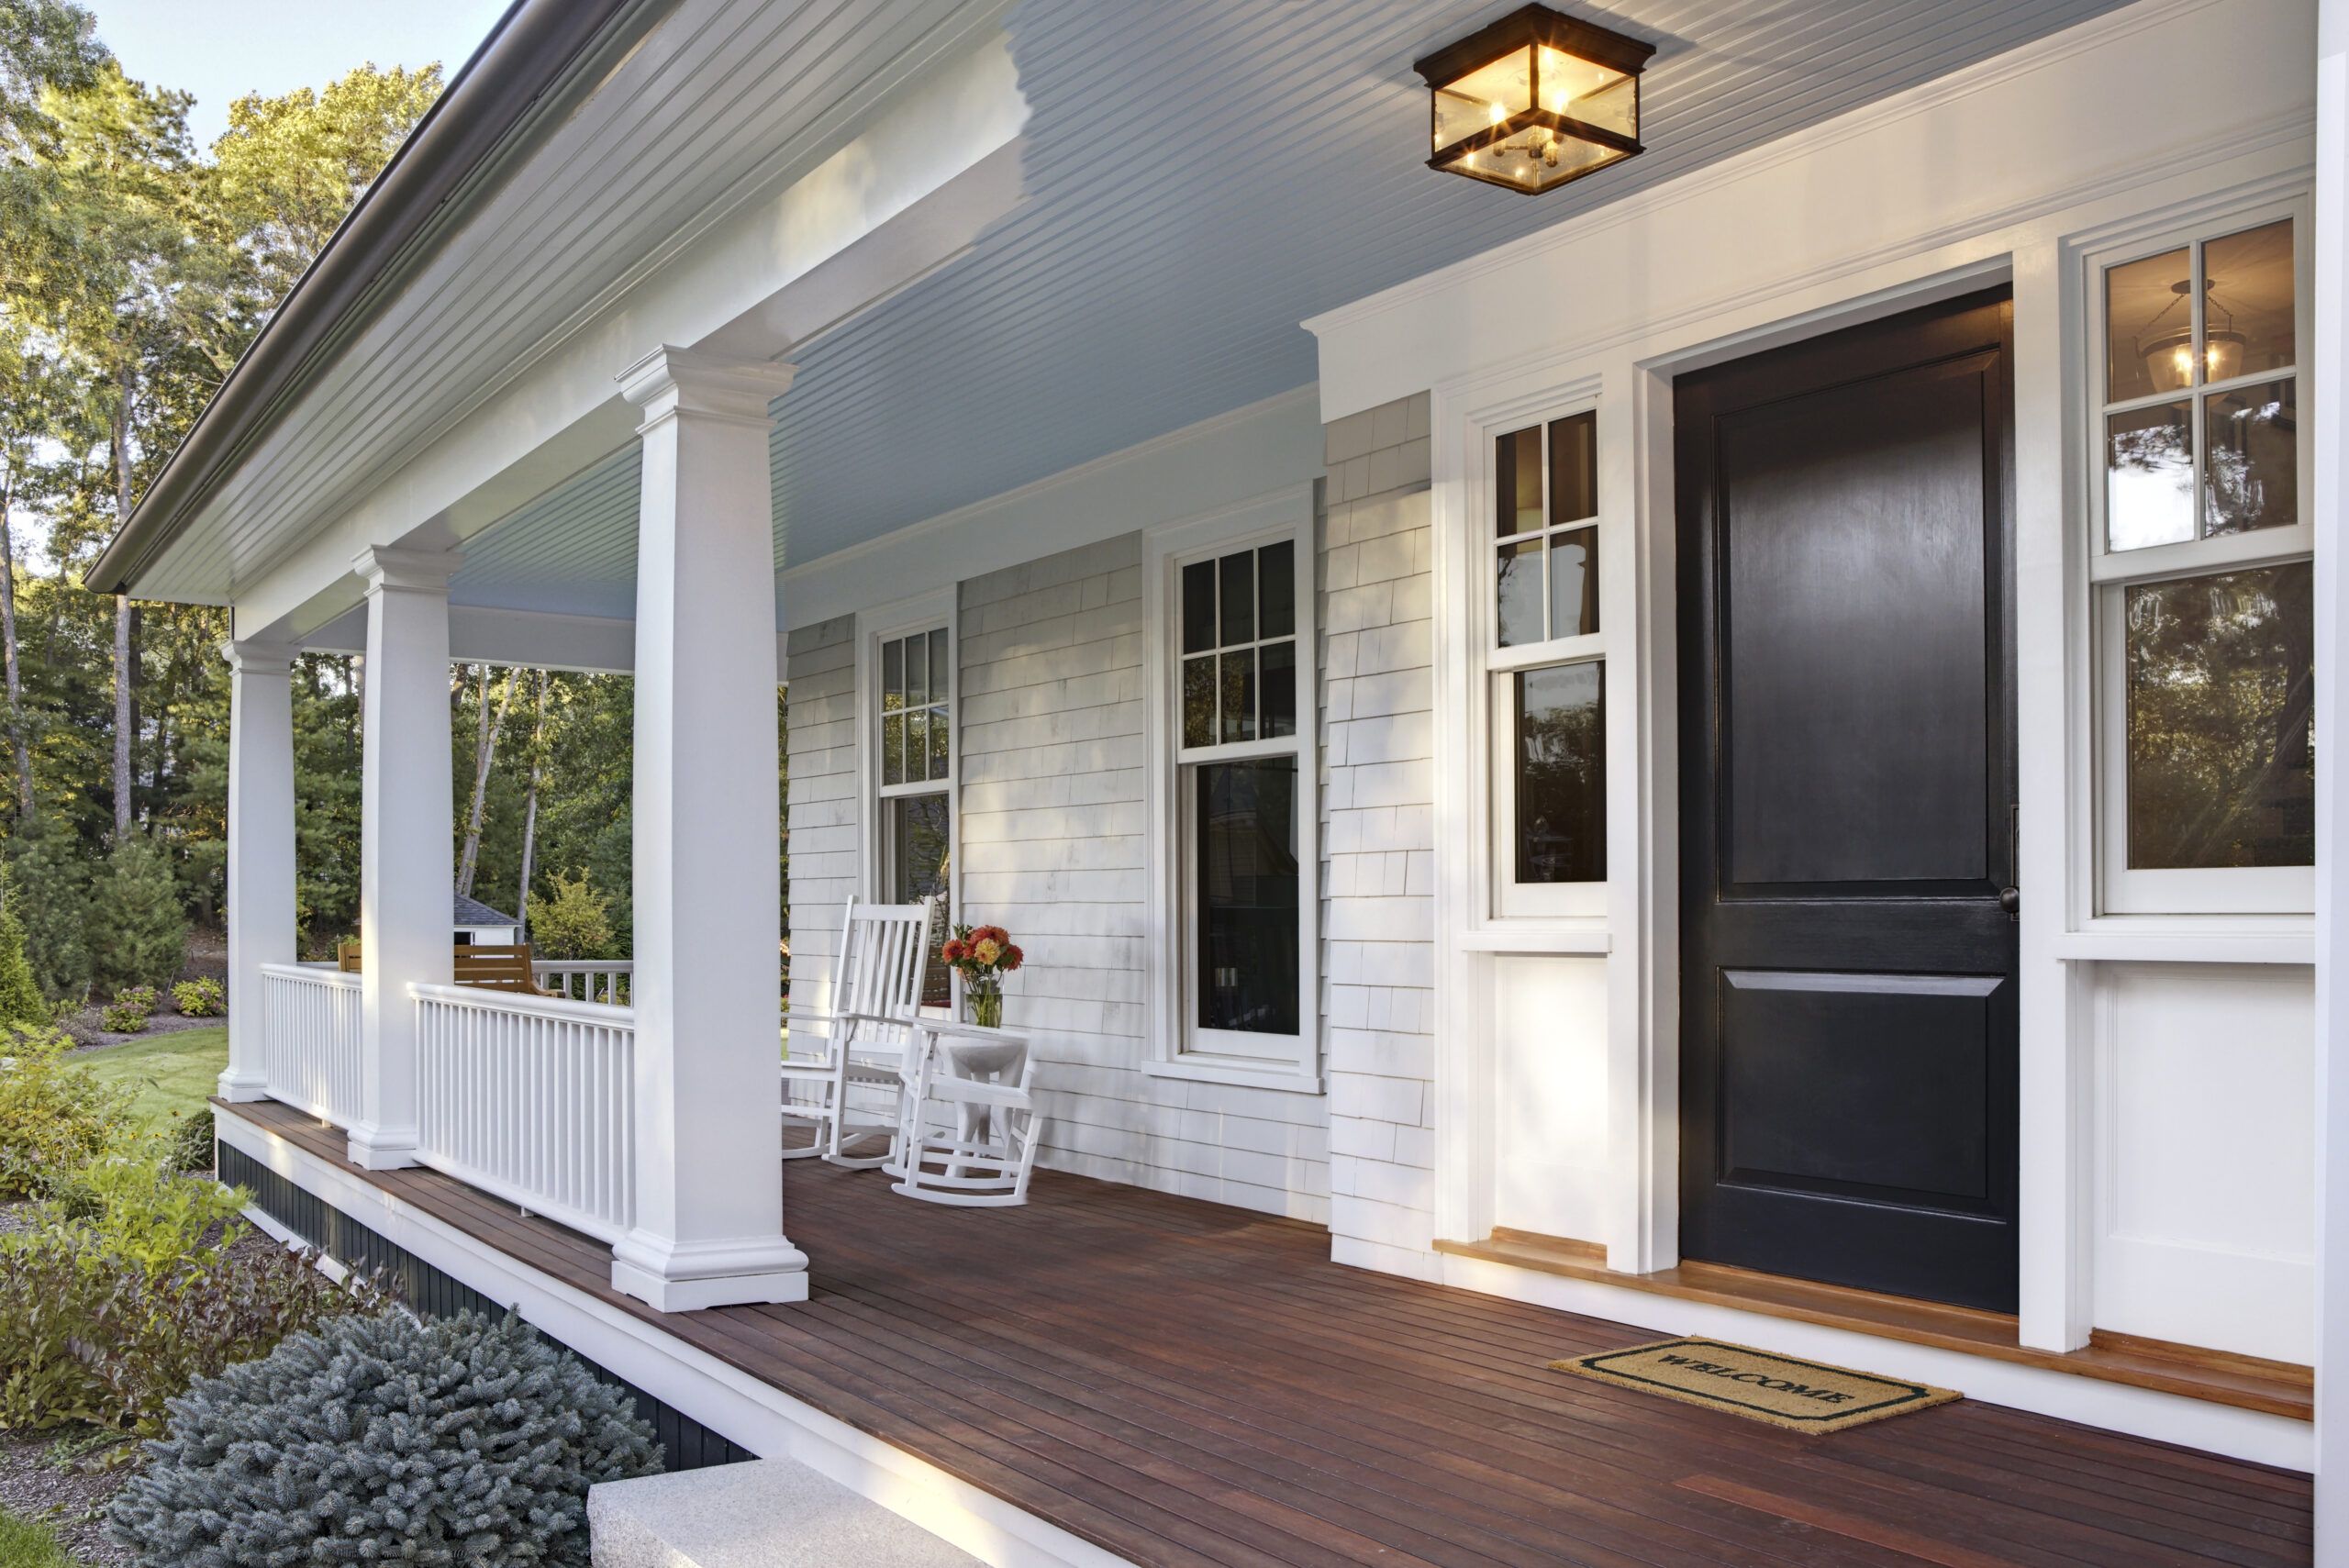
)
(918, 868)
(2146, 303)
(1277, 590)
(2149, 476)
(2221, 747)
(1198, 701)
(917, 745)
(1573, 468)
(1561, 773)
(1517, 482)
(1237, 592)
(893, 674)
(2247, 301)
(1517, 594)
(938, 688)
(1574, 583)
(1484, 97)
(1198, 606)
(893, 749)
(1239, 695)
(2251, 476)
(916, 670)
(1279, 695)
(1586, 91)
(1245, 890)
(941, 726)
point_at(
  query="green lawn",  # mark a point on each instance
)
(169, 1073)
(24, 1544)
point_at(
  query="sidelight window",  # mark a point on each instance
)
(2203, 581)
(1548, 671)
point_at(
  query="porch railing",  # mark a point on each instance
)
(309, 1029)
(530, 1098)
(586, 980)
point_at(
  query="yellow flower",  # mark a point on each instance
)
(986, 951)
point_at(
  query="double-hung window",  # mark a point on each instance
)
(1235, 786)
(1547, 671)
(913, 783)
(2203, 583)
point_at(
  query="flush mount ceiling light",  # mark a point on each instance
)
(1534, 100)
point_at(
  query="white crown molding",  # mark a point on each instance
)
(381, 566)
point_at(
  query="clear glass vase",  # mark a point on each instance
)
(982, 1003)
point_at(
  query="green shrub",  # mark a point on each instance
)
(137, 932)
(189, 1144)
(21, 1001)
(203, 998)
(461, 1440)
(122, 1018)
(131, 1283)
(53, 1116)
(572, 921)
(51, 878)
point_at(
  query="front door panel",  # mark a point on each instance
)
(1848, 995)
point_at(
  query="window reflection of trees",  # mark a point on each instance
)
(1561, 774)
(2222, 745)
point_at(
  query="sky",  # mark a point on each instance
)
(221, 49)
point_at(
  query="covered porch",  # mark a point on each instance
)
(1112, 1374)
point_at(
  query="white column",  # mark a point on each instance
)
(2330, 433)
(708, 889)
(261, 846)
(406, 832)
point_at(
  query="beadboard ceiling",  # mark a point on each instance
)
(1203, 176)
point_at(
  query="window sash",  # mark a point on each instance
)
(2120, 889)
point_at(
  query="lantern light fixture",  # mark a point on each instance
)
(1534, 100)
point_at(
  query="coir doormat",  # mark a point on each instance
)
(1800, 1396)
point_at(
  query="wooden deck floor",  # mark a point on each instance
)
(1193, 1385)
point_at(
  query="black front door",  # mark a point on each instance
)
(1847, 813)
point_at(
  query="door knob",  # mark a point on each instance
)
(2011, 900)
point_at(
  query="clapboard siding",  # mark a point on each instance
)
(1052, 848)
(1378, 836)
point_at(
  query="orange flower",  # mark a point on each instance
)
(1012, 958)
(953, 951)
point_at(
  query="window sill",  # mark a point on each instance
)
(1536, 939)
(1199, 1070)
(2170, 938)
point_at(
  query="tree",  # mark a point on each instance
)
(484, 755)
(138, 935)
(573, 920)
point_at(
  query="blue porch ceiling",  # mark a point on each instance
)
(1203, 176)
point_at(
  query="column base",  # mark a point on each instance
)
(241, 1086)
(382, 1147)
(686, 1276)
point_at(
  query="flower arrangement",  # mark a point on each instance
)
(981, 956)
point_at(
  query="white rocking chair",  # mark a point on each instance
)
(877, 993)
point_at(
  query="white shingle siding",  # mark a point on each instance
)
(821, 812)
(1377, 805)
(1051, 770)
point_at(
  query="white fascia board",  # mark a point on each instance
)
(1251, 452)
(2032, 131)
(908, 194)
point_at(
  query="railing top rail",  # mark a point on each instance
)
(481, 999)
(311, 973)
(600, 965)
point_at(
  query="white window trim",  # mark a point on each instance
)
(1288, 514)
(923, 612)
(1506, 912)
(2193, 895)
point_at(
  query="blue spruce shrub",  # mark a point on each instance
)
(383, 1438)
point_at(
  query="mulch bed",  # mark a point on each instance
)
(39, 1481)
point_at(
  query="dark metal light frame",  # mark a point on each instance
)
(1532, 29)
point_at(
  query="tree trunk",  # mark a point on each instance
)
(484, 751)
(530, 810)
(122, 676)
(16, 736)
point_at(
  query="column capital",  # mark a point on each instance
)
(384, 566)
(671, 381)
(247, 657)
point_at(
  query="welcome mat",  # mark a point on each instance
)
(1800, 1396)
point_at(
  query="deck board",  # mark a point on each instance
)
(1195, 1387)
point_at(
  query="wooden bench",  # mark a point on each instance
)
(491, 967)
